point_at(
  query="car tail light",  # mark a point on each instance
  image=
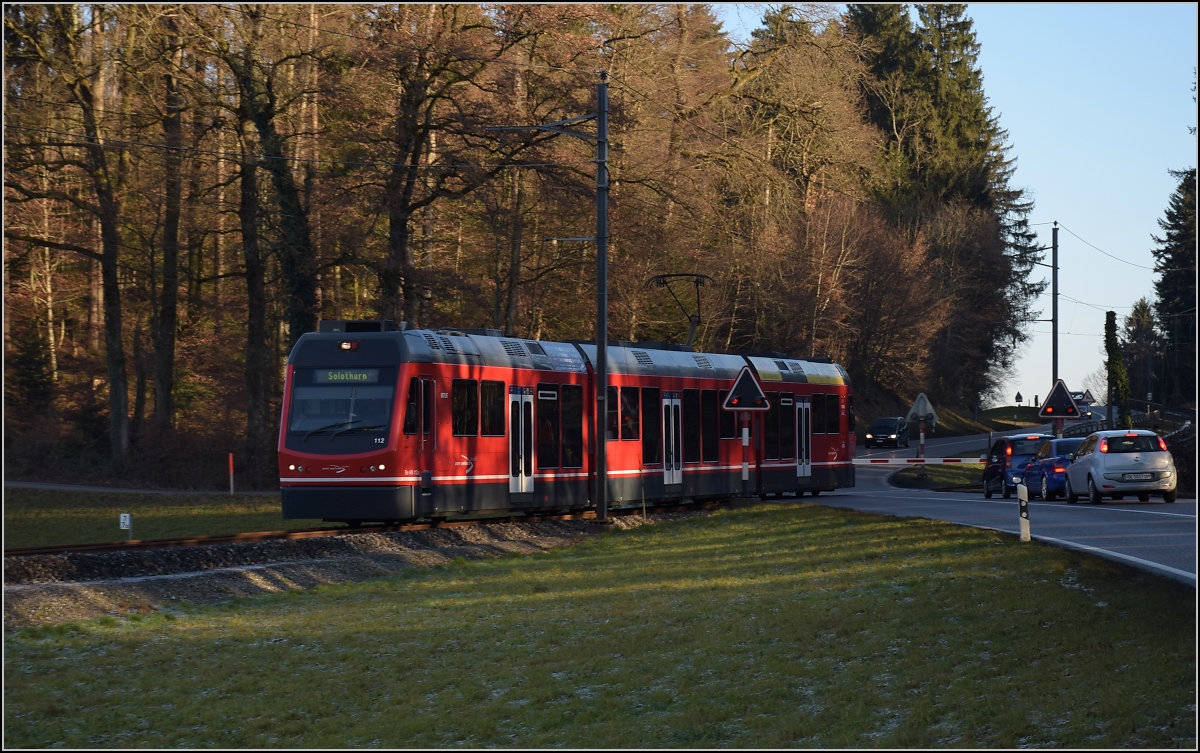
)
(1033, 436)
(1060, 469)
(1008, 451)
(1162, 445)
(1131, 434)
(1103, 445)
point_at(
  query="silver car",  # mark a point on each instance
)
(1116, 463)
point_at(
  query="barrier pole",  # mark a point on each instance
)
(745, 452)
(231, 474)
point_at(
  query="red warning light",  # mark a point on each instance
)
(1048, 409)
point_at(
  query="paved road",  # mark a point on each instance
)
(947, 447)
(115, 490)
(1154, 536)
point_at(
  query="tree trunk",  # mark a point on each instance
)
(297, 257)
(258, 361)
(514, 259)
(167, 320)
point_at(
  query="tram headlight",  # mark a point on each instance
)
(292, 467)
(381, 466)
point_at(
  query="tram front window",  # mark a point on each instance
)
(341, 401)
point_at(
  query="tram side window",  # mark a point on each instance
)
(419, 406)
(547, 426)
(818, 414)
(651, 426)
(491, 402)
(691, 426)
(710, 410)
(771, 427)
(728, 418)
(825, 418)
(572, 425)
(630, 423)
(410, 406)
(464, 407)
(611, 422)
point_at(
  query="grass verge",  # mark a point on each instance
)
(38, 517)
(787, 625)
(937, 475)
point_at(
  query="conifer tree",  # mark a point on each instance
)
(32, 381)
(1118, 378)
(1175, 262)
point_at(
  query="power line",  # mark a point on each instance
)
(1093, 305)
(1123, 261)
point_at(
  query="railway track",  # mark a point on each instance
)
(189, 541)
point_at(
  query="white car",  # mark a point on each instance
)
(1116, 463)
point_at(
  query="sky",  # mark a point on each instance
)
(1097, 100)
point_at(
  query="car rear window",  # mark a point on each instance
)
(1068, 445)
(1026, 446)
(1138, 443)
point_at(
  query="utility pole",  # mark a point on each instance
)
(1058, 423)
(599, 432)
(1054, 305)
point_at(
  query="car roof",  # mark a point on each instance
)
(1123, 432)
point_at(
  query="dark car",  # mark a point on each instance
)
(1006, 462)
(892, 430)
(1046, 473)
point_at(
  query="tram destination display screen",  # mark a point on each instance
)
(345, 376)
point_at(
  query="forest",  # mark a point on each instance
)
(190, 188)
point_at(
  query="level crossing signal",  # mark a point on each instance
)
(1059, 403)
(746, 393)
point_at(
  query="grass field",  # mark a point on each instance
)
(785, 625)
(39, 517)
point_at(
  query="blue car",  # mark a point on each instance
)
(1007, 461)
(1046, 474)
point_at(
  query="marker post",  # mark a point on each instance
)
(231, 474)
(1023, 505)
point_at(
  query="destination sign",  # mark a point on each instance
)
(346, 376)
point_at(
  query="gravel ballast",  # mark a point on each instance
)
(55, 588)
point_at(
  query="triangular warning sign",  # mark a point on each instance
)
(746, 393)
(1059, 403)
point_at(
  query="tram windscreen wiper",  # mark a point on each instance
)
(330, 426)
(356, 428)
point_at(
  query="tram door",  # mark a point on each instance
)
(672, 441)
(803, 438)
(520, 440)
(419, 423)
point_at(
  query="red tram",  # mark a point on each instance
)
(381, 424)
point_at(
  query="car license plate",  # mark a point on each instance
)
(1137, 477)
